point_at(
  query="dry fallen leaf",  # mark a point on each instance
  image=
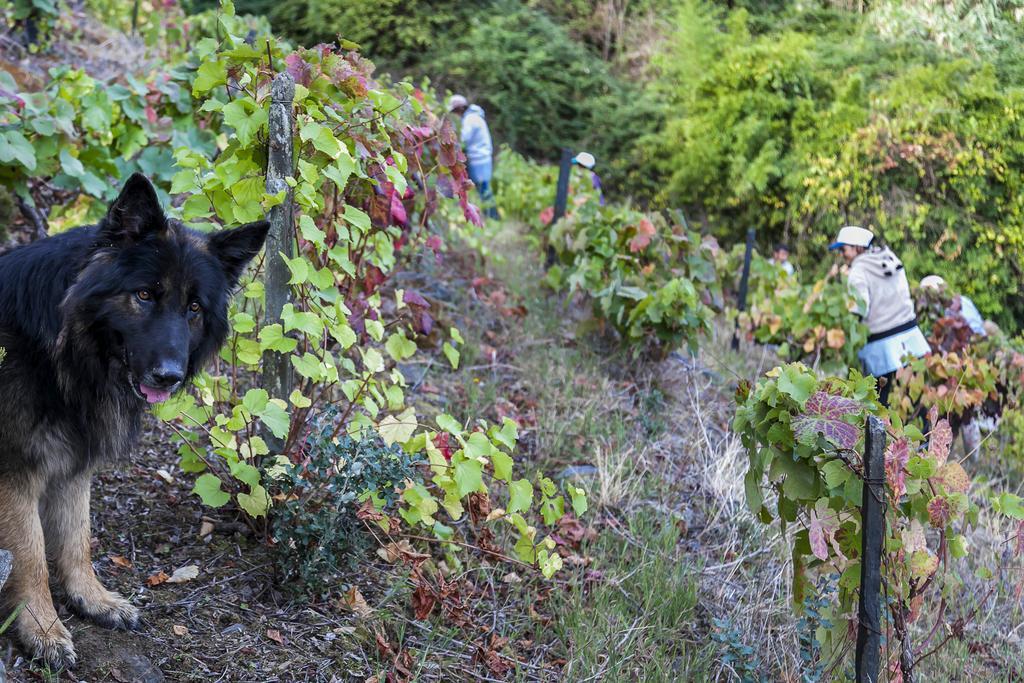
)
(423, 602)
(402, 550)
(120, 561)
(184, 574)
(180, 630)
(512, 577)
(157, 579)
(206, 528)
(165, 475)
(275, 636)
(355, 601)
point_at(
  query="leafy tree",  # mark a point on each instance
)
(808, 126)
(396, 33)
(542, 90)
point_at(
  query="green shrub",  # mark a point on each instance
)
(317, 530)
(395, 33)
(654, 282)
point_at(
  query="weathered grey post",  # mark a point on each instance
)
(561, 198)
(869, 630)
(6, 562)
(277, 369)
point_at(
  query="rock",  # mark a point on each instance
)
(114, 656)
(414, 373)
(578, 471)
(6, 562)
(231, 630)
(137, 669)
(693, 365)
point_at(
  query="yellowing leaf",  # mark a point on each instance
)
(398, 430)
(256, 503)
(835, 338)
(953, 477)
(399, 347)
(184, 574)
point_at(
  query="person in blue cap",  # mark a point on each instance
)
(879, 280)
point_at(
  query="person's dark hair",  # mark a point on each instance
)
(781, 247)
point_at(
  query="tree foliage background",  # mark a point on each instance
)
(790, 117)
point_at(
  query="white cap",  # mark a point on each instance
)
(457, 102)
(932, 282)
(585, 159)
(853, 236)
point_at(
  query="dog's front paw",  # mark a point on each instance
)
(107, 609)
(48, 642)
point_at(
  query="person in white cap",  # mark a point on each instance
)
(970, 424)
(476, 140)
(878, 278)
(587, 161)
(966, 309)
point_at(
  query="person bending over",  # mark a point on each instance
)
(877, 277)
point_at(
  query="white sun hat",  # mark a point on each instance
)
(586, 160)
(853, 236)
(932, 282)
(457, 102)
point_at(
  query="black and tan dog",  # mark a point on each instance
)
(96, 322)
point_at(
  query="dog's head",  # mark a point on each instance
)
(153, 298)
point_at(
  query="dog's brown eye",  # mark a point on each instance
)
(144, 295)
(194, 307)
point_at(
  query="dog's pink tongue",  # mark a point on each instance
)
(154, 395)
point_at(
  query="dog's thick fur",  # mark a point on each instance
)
(95, 322)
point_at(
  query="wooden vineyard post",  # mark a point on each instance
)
(744, 284)
(869, 630)
(277, 369)
(561, 197)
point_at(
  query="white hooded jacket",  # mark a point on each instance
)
(879, 279)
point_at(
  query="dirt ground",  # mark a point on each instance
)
(230, 623)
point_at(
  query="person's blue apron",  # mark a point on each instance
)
(885, 351)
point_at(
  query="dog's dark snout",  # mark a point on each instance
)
(168, 375)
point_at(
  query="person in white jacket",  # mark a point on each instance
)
(878, 279)
(476, 141)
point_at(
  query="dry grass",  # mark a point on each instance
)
(618, 476)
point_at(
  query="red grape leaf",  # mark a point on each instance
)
(823, 414)
(896, 457)
(939, 512)
(644, 232)
(939, 441)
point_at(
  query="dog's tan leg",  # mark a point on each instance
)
(21, 532)
(66, 521)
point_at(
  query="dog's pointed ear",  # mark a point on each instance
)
(236, 247)
(136, 212)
